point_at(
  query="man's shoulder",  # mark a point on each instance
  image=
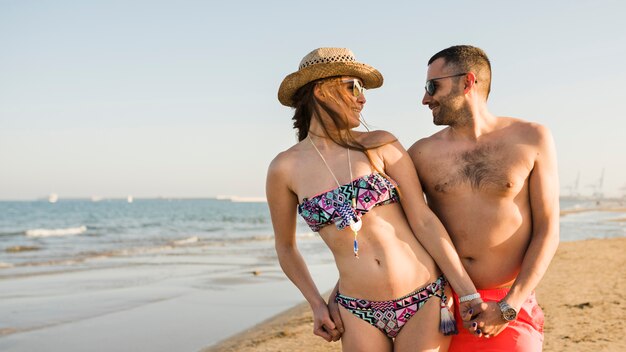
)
(518, 123)
(531, 131)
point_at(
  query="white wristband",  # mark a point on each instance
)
(468, 298)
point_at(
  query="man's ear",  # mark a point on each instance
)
(470, 81)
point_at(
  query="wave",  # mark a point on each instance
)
(86, 256)
(172, 247)
(70, 231)
(190, 240)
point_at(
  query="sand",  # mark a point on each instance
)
(582, 295)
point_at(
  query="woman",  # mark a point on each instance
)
(390, 289)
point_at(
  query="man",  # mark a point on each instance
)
(493, 183)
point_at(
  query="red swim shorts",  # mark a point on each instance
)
(523, 334)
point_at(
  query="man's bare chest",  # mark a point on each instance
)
(500, 169)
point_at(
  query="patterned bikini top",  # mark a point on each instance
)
(369, 191)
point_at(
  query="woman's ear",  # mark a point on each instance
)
(318, 93)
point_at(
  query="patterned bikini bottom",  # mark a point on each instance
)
(390, 316)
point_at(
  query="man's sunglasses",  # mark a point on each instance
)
(357, 86)
(430, 84)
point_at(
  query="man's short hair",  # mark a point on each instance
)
(467, 58)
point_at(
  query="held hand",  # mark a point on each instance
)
(467, 310)
(323, 326)
(486, 320)
(333, 308)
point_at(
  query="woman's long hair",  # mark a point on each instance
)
(307, 106)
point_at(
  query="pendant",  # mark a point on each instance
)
(356, 226)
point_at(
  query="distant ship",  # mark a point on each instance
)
(53, 198)
(597, 187)
(573, 189)
(238, 199)
(129, 199)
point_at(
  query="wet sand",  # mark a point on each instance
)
(582, 294)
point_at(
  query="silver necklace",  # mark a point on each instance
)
(354, 222)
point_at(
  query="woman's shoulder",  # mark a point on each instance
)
(285, 160)
(376, 139)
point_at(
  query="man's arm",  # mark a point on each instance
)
(544, 205)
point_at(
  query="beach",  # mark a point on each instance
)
(582, 296)
(202, 275)
(151, 275)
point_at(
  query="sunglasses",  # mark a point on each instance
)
(357, 86)
(430, 84)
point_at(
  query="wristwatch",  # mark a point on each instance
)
(508, 313)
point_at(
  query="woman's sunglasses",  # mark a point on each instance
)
(430, 84)
(357, 86)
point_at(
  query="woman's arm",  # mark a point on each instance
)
(425, 225)
(282, 203)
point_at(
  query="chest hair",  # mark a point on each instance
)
(481, 167)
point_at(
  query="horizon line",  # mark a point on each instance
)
(95, 199)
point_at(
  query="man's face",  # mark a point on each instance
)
(447, 103)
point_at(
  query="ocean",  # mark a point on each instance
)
(37, 236)
(112, 274)
(104, 274)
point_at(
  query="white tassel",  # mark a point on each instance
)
(447, 325)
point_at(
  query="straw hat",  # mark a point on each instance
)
(323, 63)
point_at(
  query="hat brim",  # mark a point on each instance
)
(370, 76)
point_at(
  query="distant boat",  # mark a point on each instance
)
(573, 189)
(597, 187)
(238, 199)
(96, 198)
(53, 198)
(129, 199)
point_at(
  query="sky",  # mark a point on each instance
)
(179, 98)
